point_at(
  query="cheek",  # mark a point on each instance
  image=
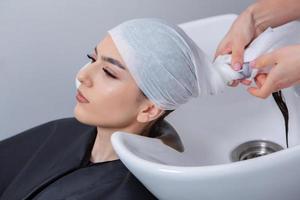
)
(114, 94)
(115, 102)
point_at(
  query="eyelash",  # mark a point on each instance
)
(105, 70)
(109, 74)
(91, 57)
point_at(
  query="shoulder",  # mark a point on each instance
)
(69, 126)
(68, 122)
(16, 150)
(57, 127)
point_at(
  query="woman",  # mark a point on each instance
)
(139, 73)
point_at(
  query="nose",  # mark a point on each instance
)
(83, 76)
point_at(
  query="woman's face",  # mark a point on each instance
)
(114, 97)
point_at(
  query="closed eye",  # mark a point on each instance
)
(109, 74)
(105, 70)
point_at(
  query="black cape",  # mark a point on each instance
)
(51, 162)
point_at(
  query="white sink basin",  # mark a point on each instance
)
(210, 128)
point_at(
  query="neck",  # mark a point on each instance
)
(103, 150)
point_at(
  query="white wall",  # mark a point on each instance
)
(44, 43)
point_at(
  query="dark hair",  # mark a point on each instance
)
(154, 128)
(280, 101)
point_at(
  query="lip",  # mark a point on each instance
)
(81, 98)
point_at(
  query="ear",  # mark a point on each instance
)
(149, 113)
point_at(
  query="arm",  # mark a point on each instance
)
(273, 13)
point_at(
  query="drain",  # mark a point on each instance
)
(254, 149)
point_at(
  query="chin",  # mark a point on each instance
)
(81, 116)
(85, 117)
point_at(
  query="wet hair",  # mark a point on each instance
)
(155, 129)
(280, 101)
(156, 124)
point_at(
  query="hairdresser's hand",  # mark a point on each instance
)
(285, 71)
(241, 33)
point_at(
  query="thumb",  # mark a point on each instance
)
(237, 59)
(265, 60)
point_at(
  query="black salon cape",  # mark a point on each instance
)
(51, 162)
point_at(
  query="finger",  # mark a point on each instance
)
(234, 83)
(246, 82)
(266, 88)
(237, 55)
(260, 80)
(265, 60)
(223, 49)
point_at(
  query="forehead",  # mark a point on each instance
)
(108, 48)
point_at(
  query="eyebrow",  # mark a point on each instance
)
(111, 60)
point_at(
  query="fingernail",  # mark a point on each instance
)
(227, 50)
(252, 64)
(230, 83)
(237, 66)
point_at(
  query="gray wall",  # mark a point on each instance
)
(44, 43)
